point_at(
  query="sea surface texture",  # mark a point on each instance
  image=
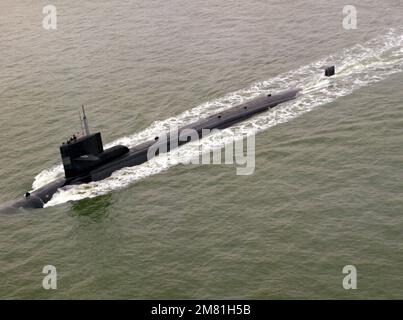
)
(327, 187)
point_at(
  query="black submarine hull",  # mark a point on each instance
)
(141, 153)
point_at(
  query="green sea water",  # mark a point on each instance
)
(328, 181)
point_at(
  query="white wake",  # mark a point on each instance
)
(356, 67)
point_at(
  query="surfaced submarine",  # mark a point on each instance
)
(85, 159)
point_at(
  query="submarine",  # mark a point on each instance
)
(85, 160)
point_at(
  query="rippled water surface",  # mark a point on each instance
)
(327, 187)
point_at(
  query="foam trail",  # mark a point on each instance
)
(357, 67)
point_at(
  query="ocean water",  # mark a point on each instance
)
(326, 191)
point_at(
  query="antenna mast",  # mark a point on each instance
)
(85, 122)
(81, 123)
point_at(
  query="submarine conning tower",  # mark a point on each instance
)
(82, 154)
